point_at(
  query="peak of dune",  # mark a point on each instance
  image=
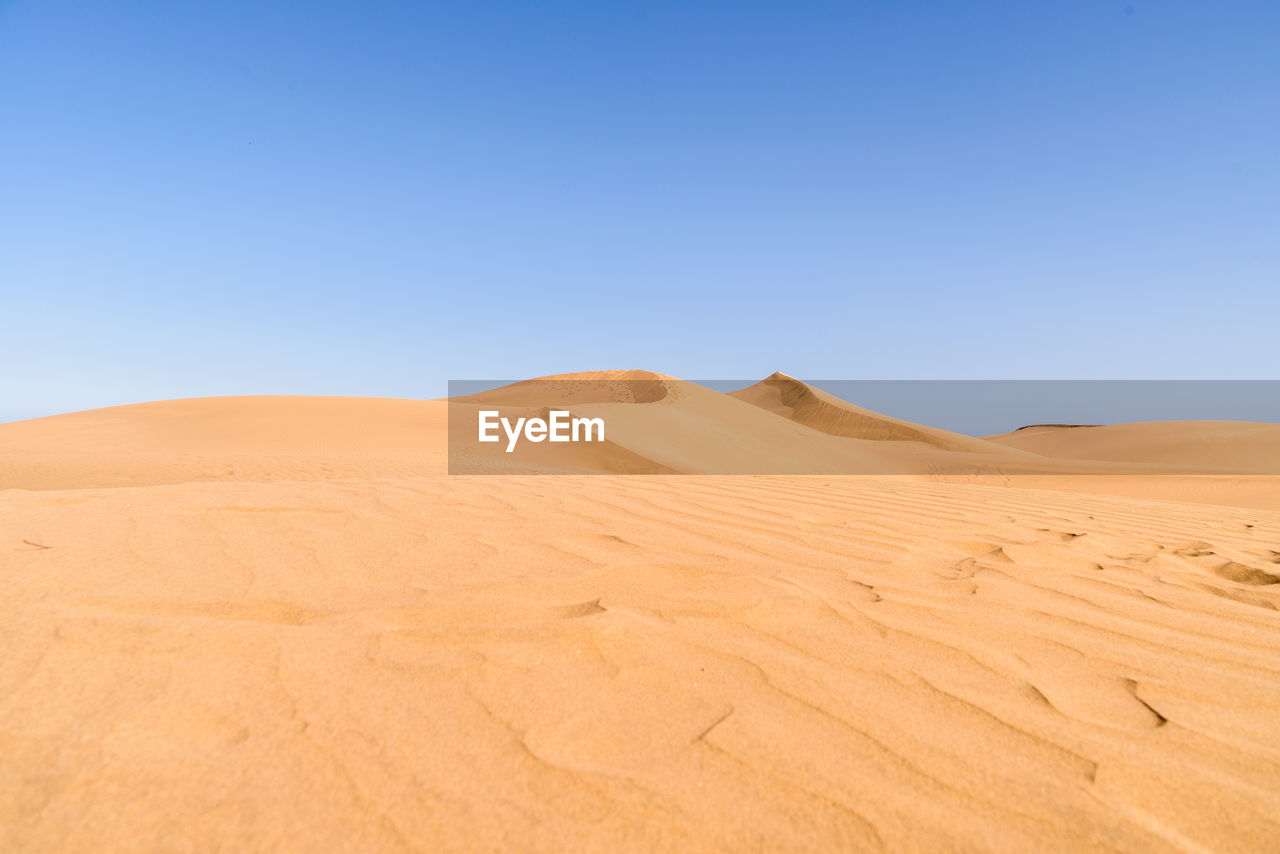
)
(792, 398)
(627, 374)
(627, 386)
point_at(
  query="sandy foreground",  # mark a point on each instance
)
(276, 624)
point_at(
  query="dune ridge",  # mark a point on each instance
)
(787, 396)
(629, 386)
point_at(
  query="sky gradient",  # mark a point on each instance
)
(373, 198)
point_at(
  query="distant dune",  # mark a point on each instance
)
(661, 424)
(1032, 429)
(657, 425)
(677, 426)
(274, 623)
(1243, 446)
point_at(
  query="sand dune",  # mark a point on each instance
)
(633, 386)
(225, 438)
(657, 425)
(812, 407)
(1227, 445)
(676, 425)
(660, 424)
(274, 623)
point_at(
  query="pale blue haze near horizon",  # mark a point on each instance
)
(373, 198)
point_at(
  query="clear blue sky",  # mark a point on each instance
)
(372, 198)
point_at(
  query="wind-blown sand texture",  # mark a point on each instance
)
(276, 624)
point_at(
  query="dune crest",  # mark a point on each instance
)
(792, 398)
(631, 386)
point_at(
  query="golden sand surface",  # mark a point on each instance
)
(277, 624)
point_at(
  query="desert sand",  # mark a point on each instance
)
(278, 624)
